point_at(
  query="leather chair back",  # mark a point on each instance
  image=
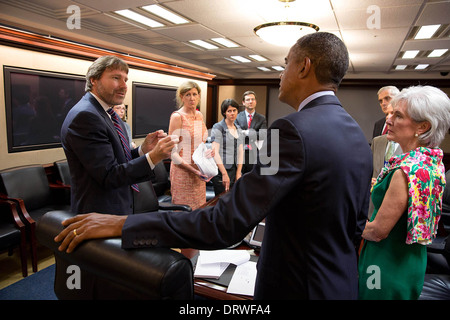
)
(63, 171)
(145, 200)
(29, 183)
(446, 196)
(110, 272)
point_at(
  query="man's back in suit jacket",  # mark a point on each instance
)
(315, 208)
(100, 174)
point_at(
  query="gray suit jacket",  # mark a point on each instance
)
(378, 147)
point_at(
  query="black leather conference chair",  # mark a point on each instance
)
(437, 278)
(146, 200)
(29, 188)
(62, 168)
(106, 271)
(13, 232)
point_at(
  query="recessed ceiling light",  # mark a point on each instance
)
(426, 32)
(231, 60)
(410, 54)
(257, 57)
(400, 67)
(437, 53)
(225, 42)
(241, 59)
(263, 69)
(421, 66)
(165, 14)
(278, 68)
(139, 18)
(204, 44)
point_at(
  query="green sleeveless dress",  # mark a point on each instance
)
(391, 269)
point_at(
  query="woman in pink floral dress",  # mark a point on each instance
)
(188, 185)
(407, 197)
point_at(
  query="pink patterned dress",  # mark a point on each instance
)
(186, 187)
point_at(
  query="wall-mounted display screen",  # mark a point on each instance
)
(152, 106)
(36, 104)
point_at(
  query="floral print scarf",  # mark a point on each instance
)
(425, 173)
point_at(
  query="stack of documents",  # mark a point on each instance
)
(212, 264)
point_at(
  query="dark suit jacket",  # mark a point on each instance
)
(378, 127)
(258, 122)
(101, 176)
(315, 208)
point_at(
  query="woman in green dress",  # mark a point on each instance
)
(407, 197)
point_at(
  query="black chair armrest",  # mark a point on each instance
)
(110, 272)
(436, 247)
(168, 206)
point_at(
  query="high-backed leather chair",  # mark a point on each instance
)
(106, 271)
(161, 182)
(146, 200)
(445, 218)
(62, 168)
(13, 232)
(29, 188)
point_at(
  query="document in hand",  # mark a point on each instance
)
(207, 165)
(212, 263)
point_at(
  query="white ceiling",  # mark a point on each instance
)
(374, 52)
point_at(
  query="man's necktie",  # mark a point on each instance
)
(385, 130)
(123, 139)
(249, 123)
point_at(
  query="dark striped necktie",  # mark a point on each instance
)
(123, 139)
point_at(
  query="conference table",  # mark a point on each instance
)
(211, 288)
(214, 289)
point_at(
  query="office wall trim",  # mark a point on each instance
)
(49, 44)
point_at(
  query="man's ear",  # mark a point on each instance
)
(304, 67)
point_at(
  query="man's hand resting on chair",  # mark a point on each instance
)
(89, 226)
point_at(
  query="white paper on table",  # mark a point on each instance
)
(243, 280)
(236, 257)
(209, 270)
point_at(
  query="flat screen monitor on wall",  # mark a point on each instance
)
(152, 106)
(36, 103)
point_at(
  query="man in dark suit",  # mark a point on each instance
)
(315, 205)
(257, 121)
(385, 95)
(101, 176)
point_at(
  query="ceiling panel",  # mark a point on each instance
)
(375, 50)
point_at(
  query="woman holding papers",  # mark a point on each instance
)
(187, 182)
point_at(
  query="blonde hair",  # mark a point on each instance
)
(183, 88)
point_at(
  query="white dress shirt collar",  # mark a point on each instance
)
(314, 96)
(104, 105)
(247, 113)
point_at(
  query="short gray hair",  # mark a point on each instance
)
(100, 65)
(427, 103)
(393, 90)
